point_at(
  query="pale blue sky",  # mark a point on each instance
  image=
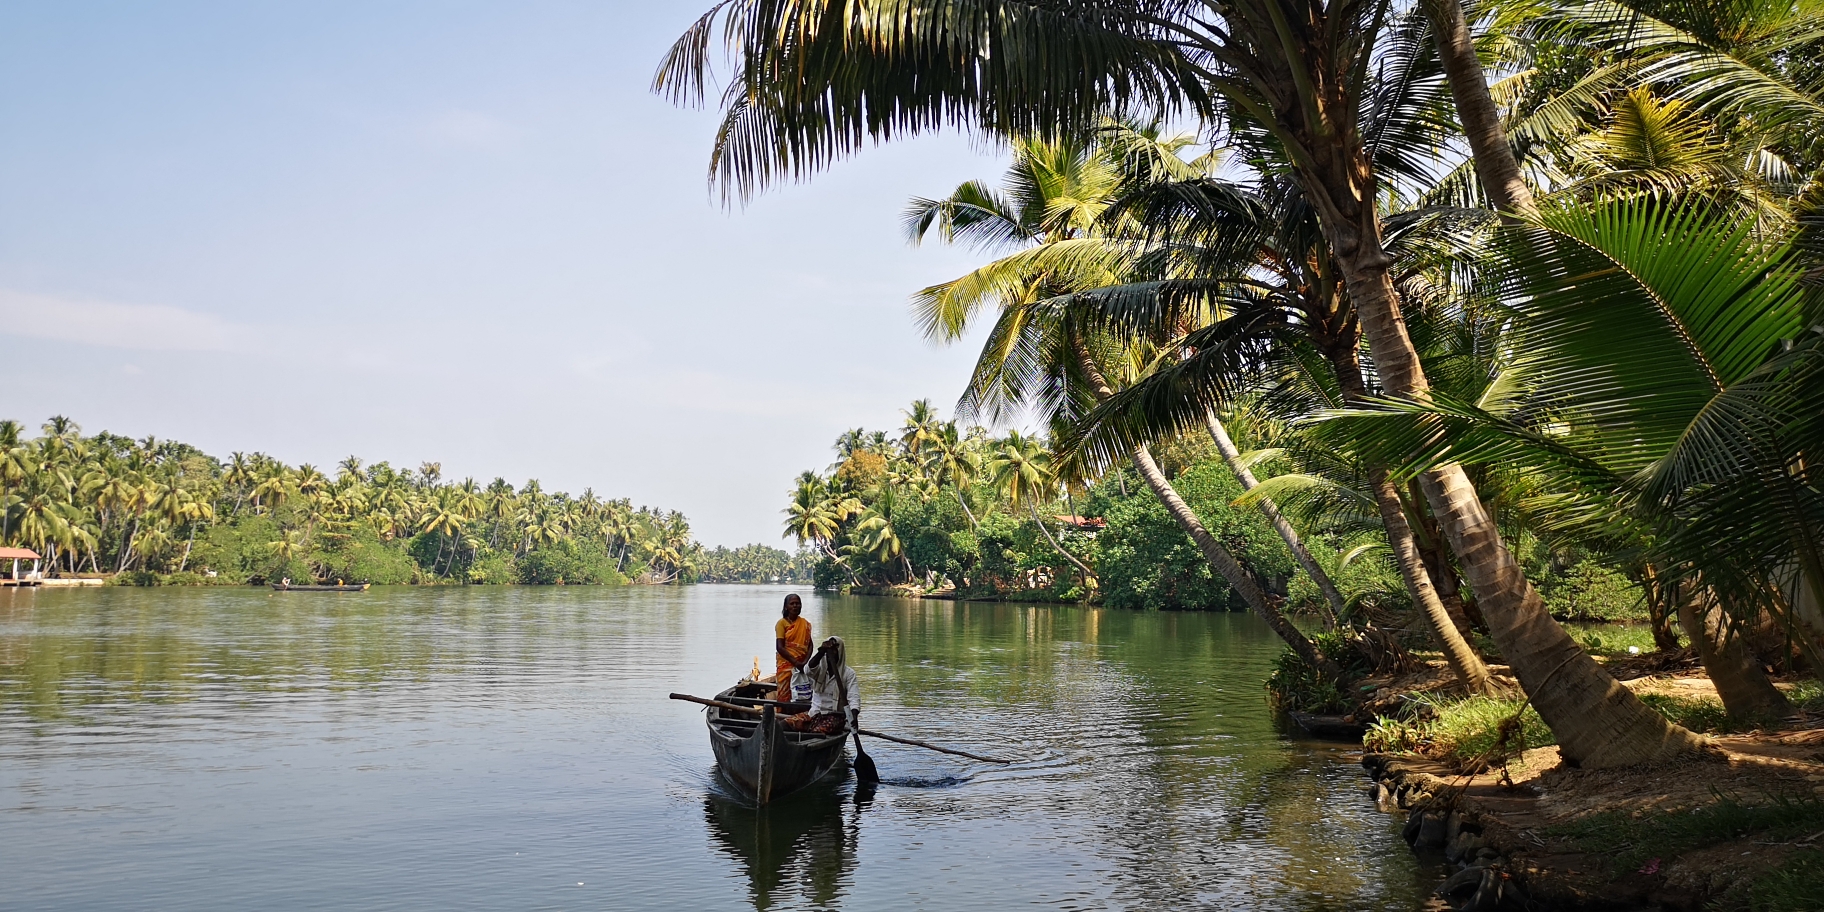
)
(458, 231)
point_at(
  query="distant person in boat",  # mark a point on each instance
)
(792, 643)
(835, 693)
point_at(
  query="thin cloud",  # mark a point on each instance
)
(139, 327)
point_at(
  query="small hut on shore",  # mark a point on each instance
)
(13, 577)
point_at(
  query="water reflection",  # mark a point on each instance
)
(804, 848)
(513, 748)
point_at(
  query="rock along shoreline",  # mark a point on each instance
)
(1504, 830)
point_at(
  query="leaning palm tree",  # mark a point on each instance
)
(1243, 283)
(1055, 211)
(815, 80)
(951, 461)
(1019, 467)
(875, 534)
(1660, 363)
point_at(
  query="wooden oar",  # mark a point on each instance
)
(721, 704)
(865, 770)
(941, 750)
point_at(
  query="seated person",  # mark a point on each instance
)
(835, 693)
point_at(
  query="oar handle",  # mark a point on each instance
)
(719, 704)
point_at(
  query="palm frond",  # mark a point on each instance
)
(815, 80)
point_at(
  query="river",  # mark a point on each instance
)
(512, 748)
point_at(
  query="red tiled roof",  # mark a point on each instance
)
(21, 553)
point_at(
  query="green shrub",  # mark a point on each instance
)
(1613, 640)
(1807, 695)
(492, 568)
(134, 578)
(828, 575)
(1296, 686)
(1590, 591)
(569, 562)
(364, 558)
(1148, 562)
(193, 578)
(239, 549)
(1699, 714)
(1795, 886)
(1461, 730)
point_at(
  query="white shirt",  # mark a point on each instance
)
(824, 696)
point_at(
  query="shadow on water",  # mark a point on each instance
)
(797, 852)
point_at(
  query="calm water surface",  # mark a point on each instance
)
(486, 748)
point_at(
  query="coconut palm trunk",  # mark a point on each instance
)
(1419, 575)
(126, 546)
(188, 542)
(1497, 169)
(1033, 505)
(1469, 668)
(1238, 577)
(1745, 689)
(1224, 563)
(963, 502)
(1430, 542)
(1597, 721)
(1333, 603)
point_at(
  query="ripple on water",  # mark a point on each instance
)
(513, 748)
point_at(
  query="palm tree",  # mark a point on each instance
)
(16, 464)
(1057, 201)
(1281, 314)
(875, 534)
(952, 463)
(1679, 388)
(814, 82)
(922, 428)
(239, 475)
(1020, 468)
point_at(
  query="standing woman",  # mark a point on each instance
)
(792, 643)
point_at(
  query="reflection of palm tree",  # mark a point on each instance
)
(806, 848)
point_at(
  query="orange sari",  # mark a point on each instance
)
(797, 636)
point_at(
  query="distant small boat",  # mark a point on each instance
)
(289, 587)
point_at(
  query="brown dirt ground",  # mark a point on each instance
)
(1751, 768)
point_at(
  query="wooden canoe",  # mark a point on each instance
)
(353, 587)
(759, 755)
(1329, 728)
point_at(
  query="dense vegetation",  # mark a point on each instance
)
(753, 564)
(932, 508)
(157, 510)
(1540, 345)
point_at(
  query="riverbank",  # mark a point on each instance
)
(1741, 827)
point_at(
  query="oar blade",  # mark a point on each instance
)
(864, 765)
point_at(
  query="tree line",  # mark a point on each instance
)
(159, 510)
(1575, 306)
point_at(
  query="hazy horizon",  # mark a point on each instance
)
(465, 233)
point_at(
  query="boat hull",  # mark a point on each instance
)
(281, 587)
(764, 759)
